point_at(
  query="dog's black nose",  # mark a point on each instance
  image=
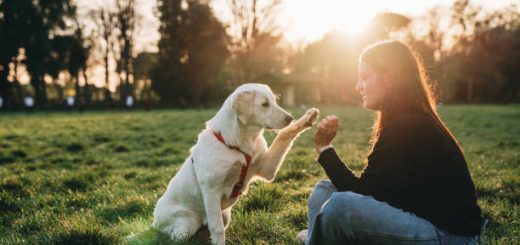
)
(289, 119)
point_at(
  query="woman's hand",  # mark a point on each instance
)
(326, 131)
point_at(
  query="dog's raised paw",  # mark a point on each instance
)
(311, 116)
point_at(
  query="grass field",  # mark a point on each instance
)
(94, 178)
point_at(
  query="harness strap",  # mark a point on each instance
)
(237, 188)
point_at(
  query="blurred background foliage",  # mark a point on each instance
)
(53, 51)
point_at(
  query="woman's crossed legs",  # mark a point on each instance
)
(350, 218)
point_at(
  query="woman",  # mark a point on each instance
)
(416, 187)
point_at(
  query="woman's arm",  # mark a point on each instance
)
(339, 174)
(393, 164)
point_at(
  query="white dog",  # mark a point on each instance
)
(229, 154)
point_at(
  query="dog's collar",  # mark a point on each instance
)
(237, 189)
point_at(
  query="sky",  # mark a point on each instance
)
(308, 20)
(304, 20)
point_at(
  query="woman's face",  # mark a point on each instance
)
(371, 86)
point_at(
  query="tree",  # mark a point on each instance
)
(167, 76)
(44, 18)
(382, 25)
(80, 53)
(67, 54)
(126, 17)
(10, 42)
(464, 19)
(106, 21)
(483, 60)
(192, 51)
(426, 35)
(334, 59)
(255, 38)
(58, 61)
(30, 25)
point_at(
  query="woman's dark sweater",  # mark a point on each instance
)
(415, 166)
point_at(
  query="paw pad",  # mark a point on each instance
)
(312, 115)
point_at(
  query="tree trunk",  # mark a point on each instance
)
(40, 92)
(469, 96)
(5, 86)
(129, 90)
(85, 95)
(108, 97)
(59, 91)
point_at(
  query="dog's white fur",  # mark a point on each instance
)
(200, 193)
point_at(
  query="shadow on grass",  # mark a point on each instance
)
(8, 204)
(84, 237)
(74, 147)
(295, 175)
(258, 227)
(12, 156)
(80, 182)
(125, 211)
(144, 234)
(80, 235)
(263, 197)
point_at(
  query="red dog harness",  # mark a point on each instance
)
(238, 186)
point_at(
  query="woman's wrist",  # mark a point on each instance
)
(321, 149)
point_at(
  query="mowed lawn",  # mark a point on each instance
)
(94, 178)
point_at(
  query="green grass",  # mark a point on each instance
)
(94, 178)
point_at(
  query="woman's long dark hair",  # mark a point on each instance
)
(408, 90)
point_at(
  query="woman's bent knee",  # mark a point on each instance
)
(347, 200)
(333, 212)
(321, 192)
(325, 184)
(340, 208)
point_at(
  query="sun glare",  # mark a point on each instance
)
(309, 20)
(306, 21)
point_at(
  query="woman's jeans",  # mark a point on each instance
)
(350, 218)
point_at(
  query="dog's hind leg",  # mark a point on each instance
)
(183, 224)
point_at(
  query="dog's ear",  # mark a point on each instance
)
(243, 105)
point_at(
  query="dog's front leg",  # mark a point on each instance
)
(271, 160)
(226, 217)
(212, 201)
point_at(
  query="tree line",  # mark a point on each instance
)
(471, 55)
(58, 50)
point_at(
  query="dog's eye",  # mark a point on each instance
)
(265, 104)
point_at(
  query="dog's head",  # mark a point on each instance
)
(255, 105)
